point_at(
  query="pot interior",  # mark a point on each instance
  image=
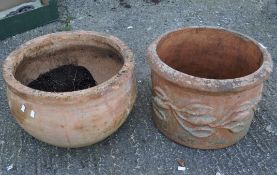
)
(210, 53)
(100, 59)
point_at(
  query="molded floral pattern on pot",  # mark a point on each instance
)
(198, 119)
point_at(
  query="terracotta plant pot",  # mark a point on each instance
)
(78, 118)
(206, 84)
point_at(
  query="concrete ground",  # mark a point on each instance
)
(138, 147)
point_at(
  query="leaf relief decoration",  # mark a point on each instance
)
(161, 104)
(241, 117)
(198, 119)
(195, 127)
(189, 117)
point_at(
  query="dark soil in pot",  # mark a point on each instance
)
(65, 78)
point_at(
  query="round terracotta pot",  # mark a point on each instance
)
(78, 118)
(206, 84)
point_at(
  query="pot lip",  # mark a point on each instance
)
(210, 85)
(96, 91)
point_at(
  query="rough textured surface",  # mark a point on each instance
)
(138, 147)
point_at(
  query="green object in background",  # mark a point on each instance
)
(13, 25)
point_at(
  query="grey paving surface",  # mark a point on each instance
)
(138, 147)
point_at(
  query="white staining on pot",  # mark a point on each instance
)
(23, 108)
(262, 46)
(9, 103)
(32, 114)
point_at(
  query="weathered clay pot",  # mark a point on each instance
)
(206, 84)
(79, 118)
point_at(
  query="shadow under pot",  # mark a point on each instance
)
(73, 118)
(206, 84)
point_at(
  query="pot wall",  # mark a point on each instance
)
(200, 119)
(84, 122)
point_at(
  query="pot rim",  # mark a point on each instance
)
(9, 68)
(205, 84)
